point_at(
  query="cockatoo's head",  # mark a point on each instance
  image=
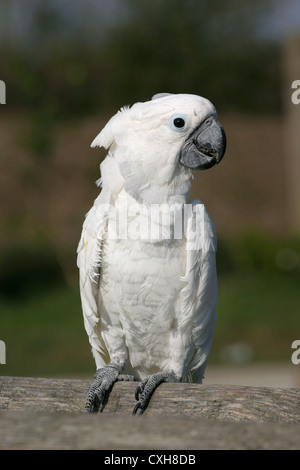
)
(159, 142)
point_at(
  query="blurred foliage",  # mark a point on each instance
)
(207, 47)
(26, 271)
(252, 253)
(39, 141)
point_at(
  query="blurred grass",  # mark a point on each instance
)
(260, 312)
(44, 335)
(259, 303)
(259, 296)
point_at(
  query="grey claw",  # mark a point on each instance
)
(136, 407)
(138, 391)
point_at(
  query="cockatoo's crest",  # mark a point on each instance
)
(112, 129)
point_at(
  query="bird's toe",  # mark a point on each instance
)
(147, 387)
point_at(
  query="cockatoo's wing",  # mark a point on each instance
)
(89, 264)
(199, 296)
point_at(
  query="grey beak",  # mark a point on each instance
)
(205, 147)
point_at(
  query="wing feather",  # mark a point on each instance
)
(199, 296)
(89, 264)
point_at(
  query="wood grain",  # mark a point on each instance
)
(213, 402)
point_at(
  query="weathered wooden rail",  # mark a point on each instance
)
(48, 413)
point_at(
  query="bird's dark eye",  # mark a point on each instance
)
(179, 122)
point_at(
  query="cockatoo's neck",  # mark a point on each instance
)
(164, 189)
(165, 194)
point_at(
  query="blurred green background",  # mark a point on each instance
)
(68, 66)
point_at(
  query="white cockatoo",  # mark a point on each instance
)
(146, 256)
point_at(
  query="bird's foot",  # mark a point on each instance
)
(101, 387)
(147, 387)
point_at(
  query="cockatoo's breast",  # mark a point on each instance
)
(139, 285)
